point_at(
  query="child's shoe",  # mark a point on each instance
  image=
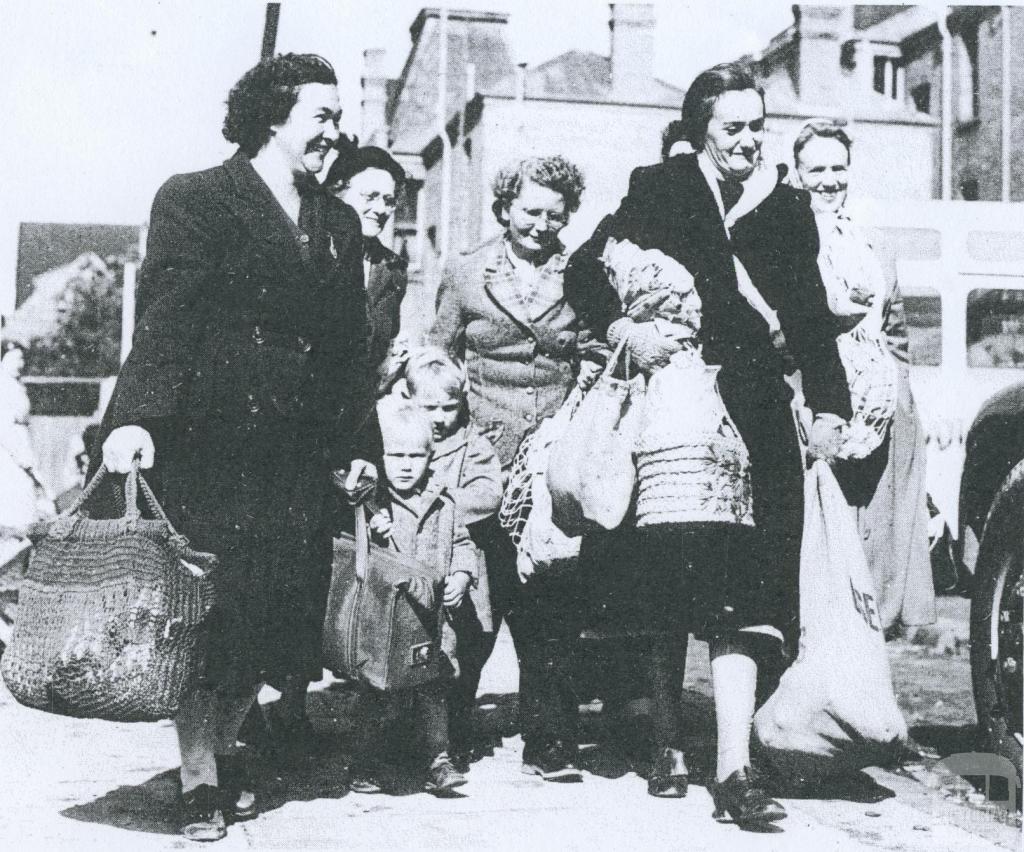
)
(444, 777)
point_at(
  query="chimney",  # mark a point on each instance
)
(821, 32)
(632, 28)
(374, 129)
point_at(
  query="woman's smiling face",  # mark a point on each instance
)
(735, 132)
(823, 165)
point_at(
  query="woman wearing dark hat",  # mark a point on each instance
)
(368, 180)
(750, 243)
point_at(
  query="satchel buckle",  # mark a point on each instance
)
(423, 654)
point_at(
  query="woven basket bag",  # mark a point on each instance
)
(692, 464)
(112, 615)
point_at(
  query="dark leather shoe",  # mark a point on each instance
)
(557, 762)
(202, 817)
(745, 802)
(669, 777)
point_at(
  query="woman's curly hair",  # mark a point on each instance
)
(555, 173)
(266, 93)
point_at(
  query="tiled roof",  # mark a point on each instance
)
(583, 76)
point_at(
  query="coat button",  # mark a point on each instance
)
(257, 334)
(253, 405)
(305, 345)
(565, 338)
(262, 294)
(304, 239)
(529, 390)
(528, 417)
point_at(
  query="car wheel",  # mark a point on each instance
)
(996, 631)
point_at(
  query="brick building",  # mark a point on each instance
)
(882, 69)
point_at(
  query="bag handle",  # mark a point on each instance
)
(133, 483)
(610, 365)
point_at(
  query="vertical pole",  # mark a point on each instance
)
(947, 105)
(127, 308)
(1007, 95)
(270, 31)
(446, 144)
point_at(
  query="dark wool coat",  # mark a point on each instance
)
(385, 288)
(670, 207)
(520, 368)
(249, 369)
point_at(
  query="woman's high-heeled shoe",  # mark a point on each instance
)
(669, 777)
(744, 801)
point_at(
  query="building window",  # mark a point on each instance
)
(889, 77)
(922, 308)
(922, 96)
(995, 328)
(968, 80)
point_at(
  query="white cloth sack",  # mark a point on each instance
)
(835, 709)
(543, 545)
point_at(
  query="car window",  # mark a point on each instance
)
(922, 307)
(995, 328)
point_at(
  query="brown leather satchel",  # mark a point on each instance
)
(385, 612)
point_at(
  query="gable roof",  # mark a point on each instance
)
(582, 76)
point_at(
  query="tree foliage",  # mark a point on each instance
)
(87, 340)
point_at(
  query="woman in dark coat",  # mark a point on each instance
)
(246, 381)
(368, 180)
(745, 580)
(505, 312)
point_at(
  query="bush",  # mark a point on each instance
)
(87, 340)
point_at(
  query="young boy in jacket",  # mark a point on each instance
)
(465, 462)
(418, 519)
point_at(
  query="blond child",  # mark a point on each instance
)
(418, 519)
(465, 462)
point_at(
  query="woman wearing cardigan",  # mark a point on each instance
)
(750, 243)
(504, 311)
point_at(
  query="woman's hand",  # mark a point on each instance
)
(647, 346)
(123, 445)
(828, 433)
(862, 296)
(455, 587)
(358, 483)
(525, 568)
(589, 371)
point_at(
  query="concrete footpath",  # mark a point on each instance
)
(85, 785)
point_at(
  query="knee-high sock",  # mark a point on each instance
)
(735, 679)
(196, 725)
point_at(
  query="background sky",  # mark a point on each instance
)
(104, 99)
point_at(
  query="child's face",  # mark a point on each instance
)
(405, 464)
(440, 407)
